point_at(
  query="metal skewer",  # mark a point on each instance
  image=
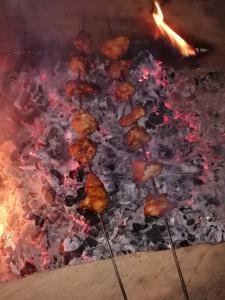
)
(112, 258)
(181, 277)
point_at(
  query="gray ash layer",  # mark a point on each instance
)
(185, 117)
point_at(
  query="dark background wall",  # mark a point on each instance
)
(55, 20)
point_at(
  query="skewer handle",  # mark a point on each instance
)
(112, 258)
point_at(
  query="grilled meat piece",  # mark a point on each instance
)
(136, 137)
(84, 123)
(96, 199)
(83, 42)
(86, 89)
(143, 171)
(157, 206)
(83, 151)
(70, 88)
(124, 91)
(115, 48)
(77, 65)
(137, 113)
(119, 68)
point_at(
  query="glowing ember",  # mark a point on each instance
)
(183, 47)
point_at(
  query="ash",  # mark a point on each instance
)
(185, 117)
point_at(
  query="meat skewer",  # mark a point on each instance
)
(158, 209)
(96, 200)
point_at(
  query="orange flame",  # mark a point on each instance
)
(183, 47)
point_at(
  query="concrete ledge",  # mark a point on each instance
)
(146, 276)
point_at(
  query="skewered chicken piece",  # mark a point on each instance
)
(143, 171)
(124, 91)
(83, 151)
(136, 137)
(84, 123)
(86, 89)
(119, 68)
(137, 113)
(96, 199)
(83, 42)
(115, 48)
(77, 66)
(156, 206)
(70, 88)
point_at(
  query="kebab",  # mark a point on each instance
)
(157, 205)
(115, 48)
(96, 200)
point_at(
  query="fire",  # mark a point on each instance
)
(183, 47)
(3, 220)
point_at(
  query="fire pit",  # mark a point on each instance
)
(47, 154)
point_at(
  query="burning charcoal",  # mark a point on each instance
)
(190, 222)
(91, 242)
(191, 238)
(165, 153)
(138, 227)
(39, 221)
(90, 217)
(48, 194)
(68, 256)
(81, 194)
(58, 175)
(154, 234)
(184, 244)
(28, 269)
(70, 200)
(111, 167)
(80, 175)
(198, 181)
(156, 119)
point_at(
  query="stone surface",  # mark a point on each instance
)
(146, 276)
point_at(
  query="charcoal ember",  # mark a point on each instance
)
(48, 194)
(165, 153)
(156, 118)
(70, 200)
(184, 243)
(191, 238)
(198, 181)
(68, 256)
(57, 175)
(111, 167)
(154, 234)
(190, 222)
(28, 269)
(56, 145)
(138, 227)
(212, 200)
(39, 221)
(90, 217)
(80, 175)
(81, 194)
(90, 241)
